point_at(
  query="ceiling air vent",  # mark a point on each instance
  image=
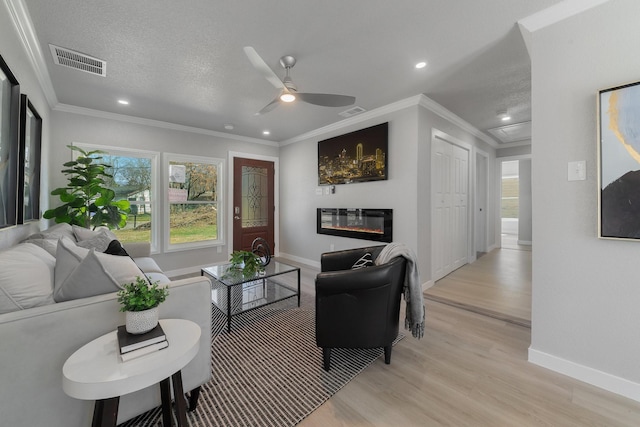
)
(79, 61)
(352, 111)
(512, 133)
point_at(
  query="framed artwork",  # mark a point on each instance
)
(358, 156)
(619, 162)
(9, 119)
(29, 161)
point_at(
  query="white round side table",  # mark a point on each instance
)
(96, 372)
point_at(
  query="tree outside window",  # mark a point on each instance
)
(193, 200)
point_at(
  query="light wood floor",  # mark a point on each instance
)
(468, 370)
(497, 284)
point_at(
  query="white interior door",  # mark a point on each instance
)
(450, 207)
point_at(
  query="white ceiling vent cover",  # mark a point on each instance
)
(79, 61)
(512, 133)
(352, 111)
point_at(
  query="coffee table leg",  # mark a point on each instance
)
(229, 308)
(105, 412)
(181, 404)
(165, 393)
(298, 287)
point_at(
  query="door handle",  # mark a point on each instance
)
(236, 217)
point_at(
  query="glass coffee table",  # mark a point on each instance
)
(234, 293)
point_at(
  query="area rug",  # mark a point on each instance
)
(268, 371)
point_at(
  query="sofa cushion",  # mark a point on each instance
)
(26, 277)
(50, 245)
(80, 272)
(55, 232)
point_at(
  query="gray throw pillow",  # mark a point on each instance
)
(81, 273)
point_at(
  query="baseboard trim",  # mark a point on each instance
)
(525, 242)
(586, 374)
(301, 260)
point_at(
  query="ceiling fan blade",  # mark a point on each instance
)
(259, 64)
(270, 106)
(326, 99)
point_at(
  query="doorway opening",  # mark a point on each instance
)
(509, 203)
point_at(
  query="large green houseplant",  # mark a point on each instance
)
(86, 200)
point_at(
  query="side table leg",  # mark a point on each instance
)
(180, 402)
(105, 412)
(165, 394)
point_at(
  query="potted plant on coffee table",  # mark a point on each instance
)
(247, 262)
(140, 300)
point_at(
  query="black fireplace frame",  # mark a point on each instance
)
(340, 216)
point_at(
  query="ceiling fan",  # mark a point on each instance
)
(289, 91)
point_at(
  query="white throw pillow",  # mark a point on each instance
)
(82, 233)
(80, 272)
(100, 241)
(26, 277)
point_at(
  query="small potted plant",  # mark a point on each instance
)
(247, 262)
(140, 300)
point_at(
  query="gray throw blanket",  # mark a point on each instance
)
(414, 319)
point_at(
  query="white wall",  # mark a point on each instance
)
(525, 222)
(70, 128)
(18, 61)
(586, 291)
(407, 191)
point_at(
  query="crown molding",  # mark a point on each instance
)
(556, 13)
(27, 33)
(66, 108)
(421, 100)
(367, 115)
(438, 109)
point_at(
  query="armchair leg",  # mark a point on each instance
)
(326, 358)
(193, 398)
(387, 354)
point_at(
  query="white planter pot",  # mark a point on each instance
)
(139, 322)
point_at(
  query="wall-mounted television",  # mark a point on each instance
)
(358, 156)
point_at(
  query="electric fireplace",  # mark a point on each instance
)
(366, 224)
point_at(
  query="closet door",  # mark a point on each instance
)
(450, 210)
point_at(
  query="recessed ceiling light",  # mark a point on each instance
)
(266, 132)
(228, 126)
(123, 102)
(504, 116)
(421, 64)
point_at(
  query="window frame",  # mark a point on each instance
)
(155, 203)
(220, 202)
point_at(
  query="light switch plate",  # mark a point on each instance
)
(319, 191)
(577, 171)
(327, 190)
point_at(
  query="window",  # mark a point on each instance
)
(194, 201)
(134, 179)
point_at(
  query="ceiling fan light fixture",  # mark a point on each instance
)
(287, 97)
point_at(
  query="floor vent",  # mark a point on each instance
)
(79, 61)
(352, 111)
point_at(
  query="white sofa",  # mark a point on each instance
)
(37, 338)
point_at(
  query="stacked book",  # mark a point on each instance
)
(133, 346)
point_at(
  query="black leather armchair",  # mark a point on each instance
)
(357, 308)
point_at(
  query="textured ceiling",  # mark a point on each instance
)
(183, 62)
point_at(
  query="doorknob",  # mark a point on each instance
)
(236, 217)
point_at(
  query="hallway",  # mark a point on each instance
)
(497, 284)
